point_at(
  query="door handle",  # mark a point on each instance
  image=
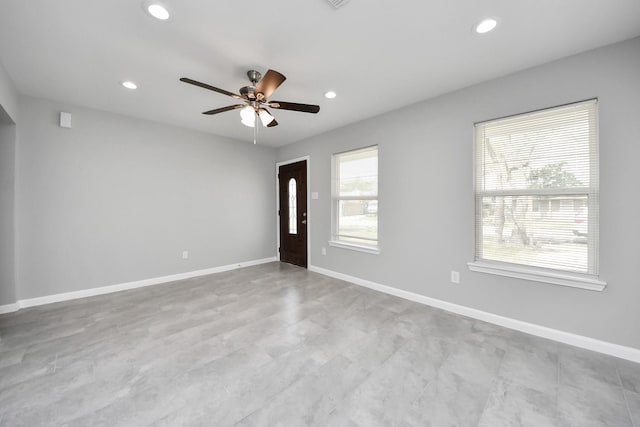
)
(304, 221)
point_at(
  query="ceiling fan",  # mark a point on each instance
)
(255, 99)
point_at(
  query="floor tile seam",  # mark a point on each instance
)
(248, 303)
(46, 369)
(305, 319)
(383, 361)
(25, 384)
(158, 329)
(514, 383)
(65, 334)
(276, 316)
(606, 380)
(260, 319)
(109, 362)
(325, 332)
(203, 327)
(621, 400)
(47, 344)
(493, 385)
(180, 351)
(158, 343)
(185, 375)
(558, 386)
(607, 384)
(428, 378)
(302, 342)
(48, 404)
(527, 386)
(82, 412)
(281, 390)
(91, 346)
(624, 396)
(350, 390)
(429, 381)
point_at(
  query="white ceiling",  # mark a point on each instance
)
(378, 55)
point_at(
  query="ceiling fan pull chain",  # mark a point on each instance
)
(255, 131)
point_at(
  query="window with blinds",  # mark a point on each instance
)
(536, 189)
(355, 198)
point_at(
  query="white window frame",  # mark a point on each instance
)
(335, 240)
(589, 280)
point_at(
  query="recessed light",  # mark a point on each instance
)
(486, 25)
(130, 85)
(158, 11)
(330, 95)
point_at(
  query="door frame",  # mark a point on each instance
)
(309, 219)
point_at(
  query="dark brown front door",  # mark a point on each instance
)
(292, 194)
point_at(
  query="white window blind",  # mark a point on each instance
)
(537, 189)
(355, 197)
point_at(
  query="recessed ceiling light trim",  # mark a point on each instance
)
(130, 85)
(330, 94)
(156, 9)
(486, 25)
(338, 3)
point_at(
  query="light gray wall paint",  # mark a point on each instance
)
(426, 210)
(116, 199)
(7, 208)
(8, 95)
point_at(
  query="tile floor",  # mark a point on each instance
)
(279, 345)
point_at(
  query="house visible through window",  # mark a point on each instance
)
(355, 199)
(537, 189)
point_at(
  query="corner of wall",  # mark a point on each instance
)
(7, 209)
(8, 95)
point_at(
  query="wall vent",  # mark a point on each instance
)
(338, 3)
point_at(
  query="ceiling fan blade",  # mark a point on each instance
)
(273, 123)
(269, 83)
(223, 109)
(305, 108)
(206, 86)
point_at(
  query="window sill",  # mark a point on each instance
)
(564, 279)
(354, 247)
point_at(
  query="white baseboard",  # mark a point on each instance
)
(9, 308)
(32, 302)
(623, 352)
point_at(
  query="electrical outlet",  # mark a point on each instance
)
(324, 251)
(185, 254)
(455, 276)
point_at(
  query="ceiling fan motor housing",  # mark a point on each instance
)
(248, 92)
(254, 76)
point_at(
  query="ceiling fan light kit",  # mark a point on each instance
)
(248, 116)
(265, 117)
(255, 98)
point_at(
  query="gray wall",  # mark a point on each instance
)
(116, 199)
(427, 206)
(8, 95)
(7, 205)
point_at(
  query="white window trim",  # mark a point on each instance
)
(583, 281)
(355, 247)
(555, 277)
(333, 241)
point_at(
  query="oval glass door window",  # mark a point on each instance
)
(293, 220)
